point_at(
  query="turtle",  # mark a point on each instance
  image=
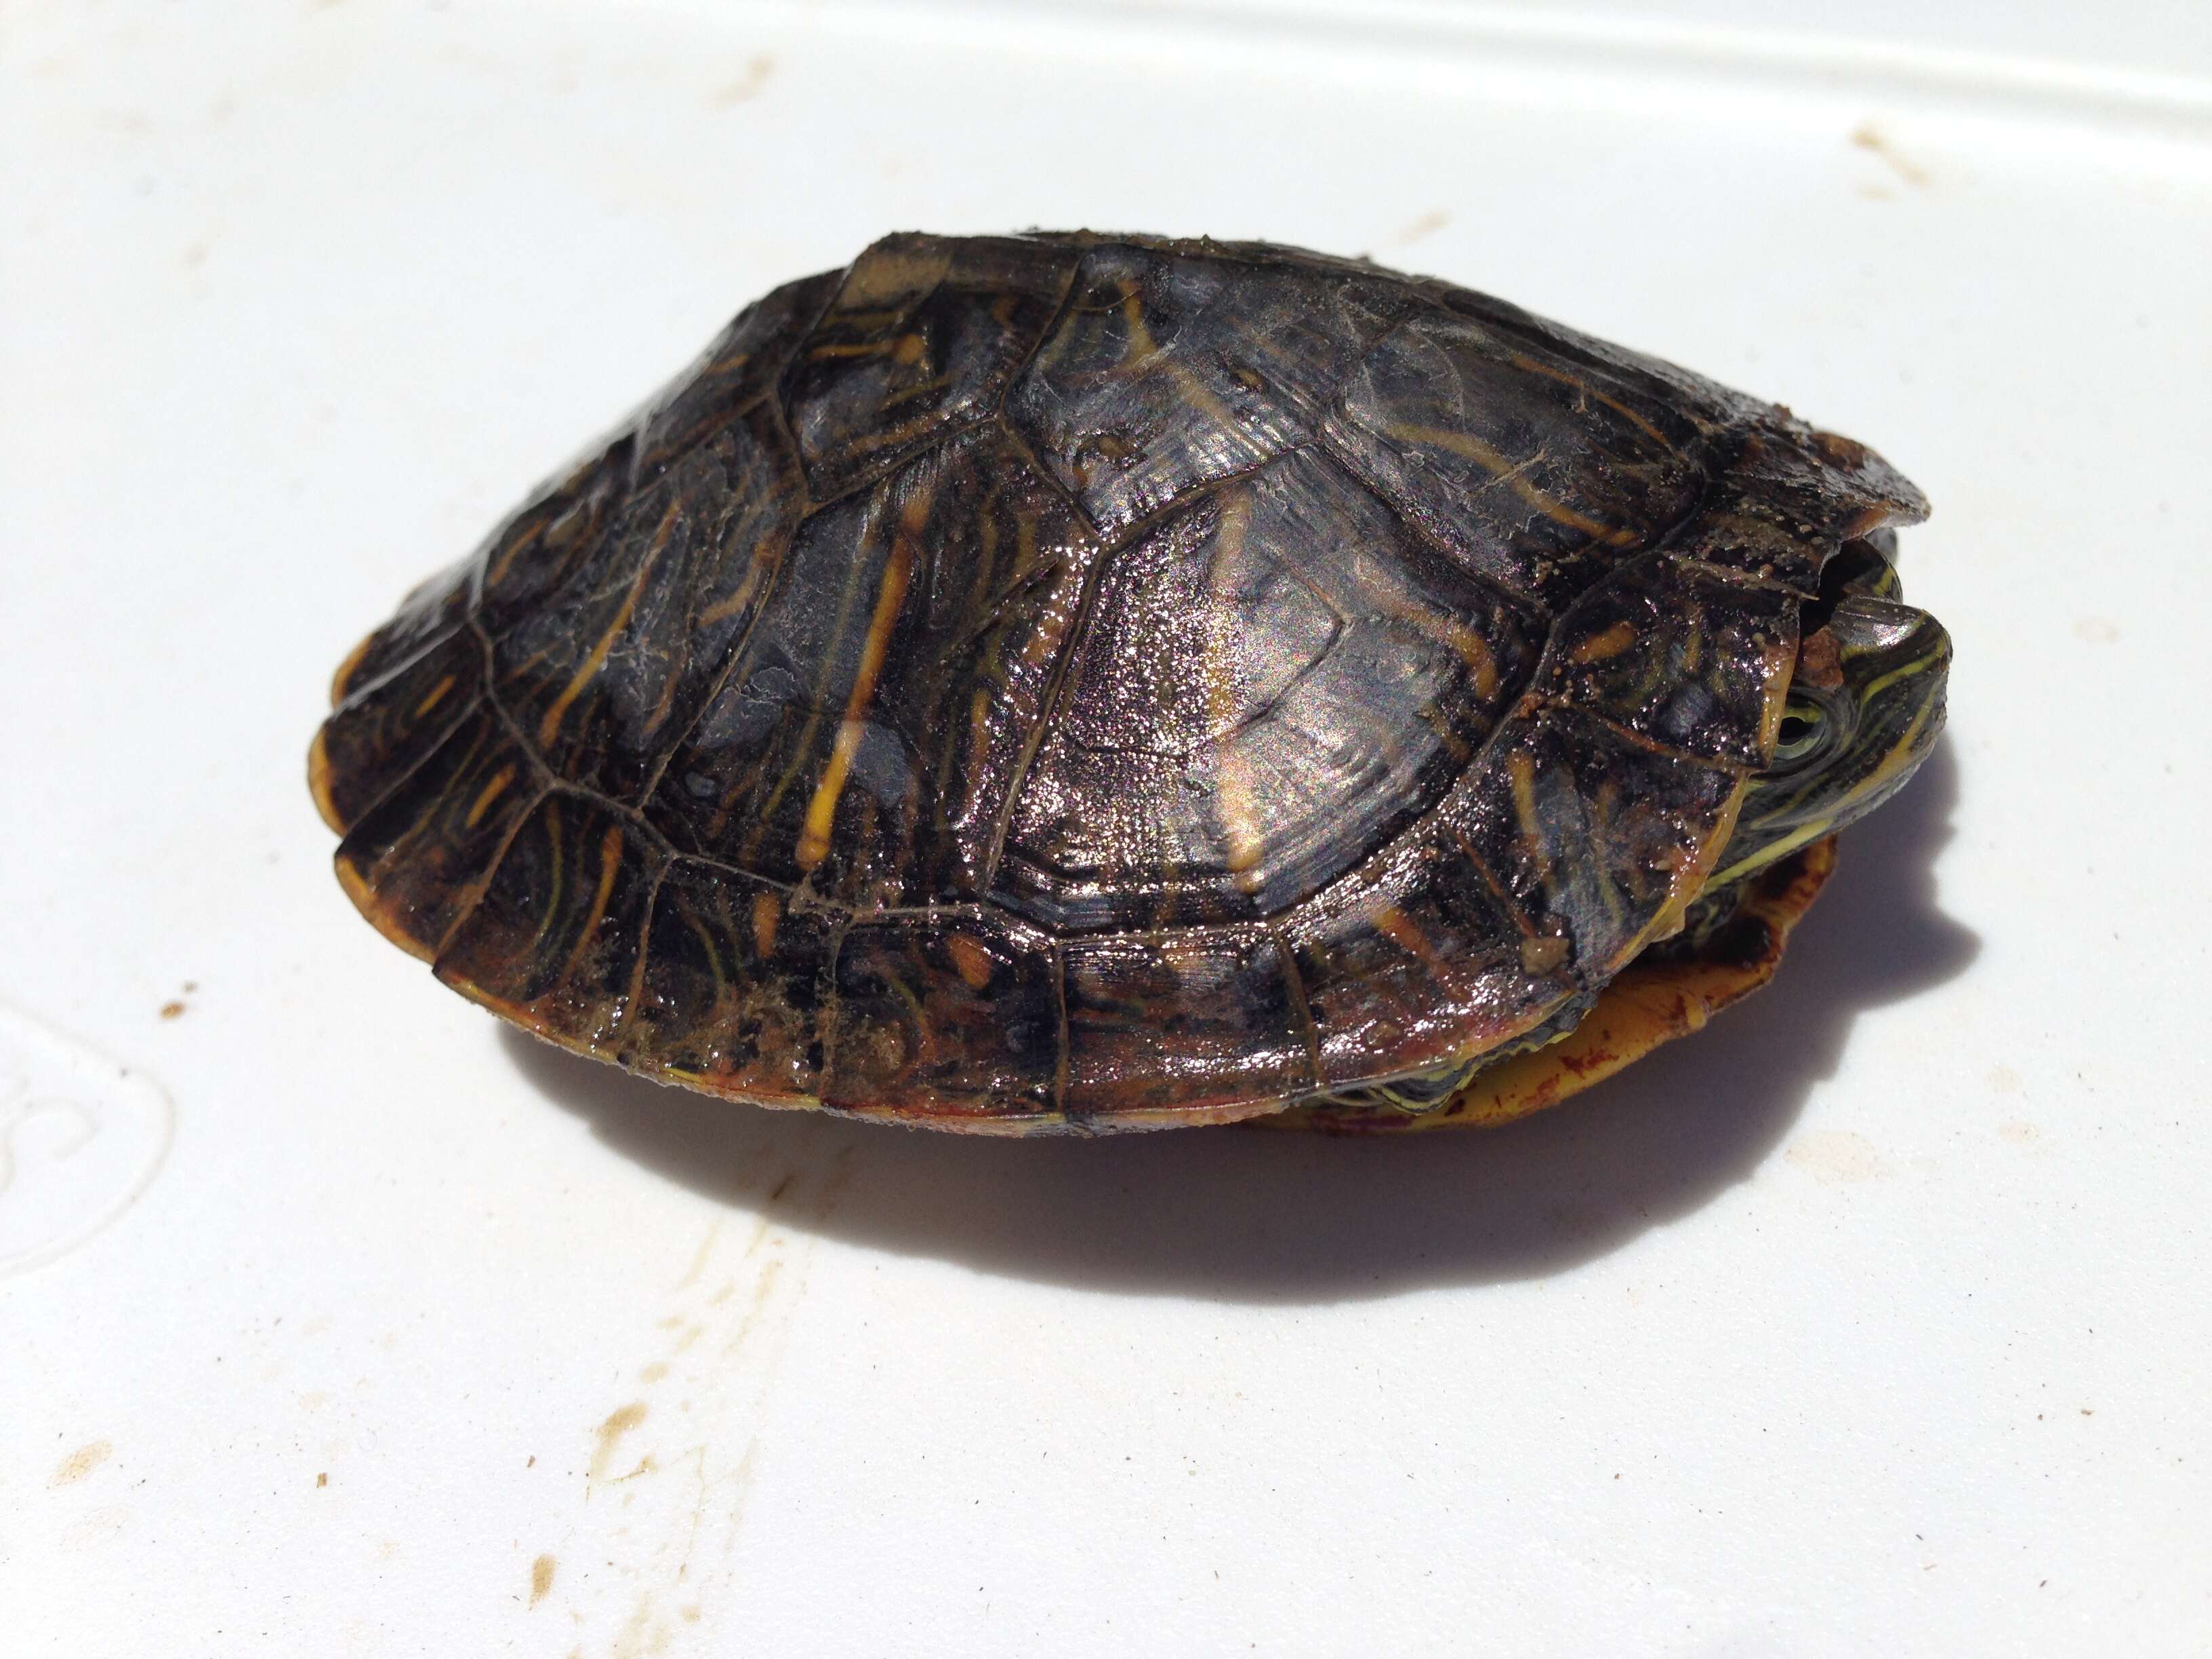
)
(1081, 682)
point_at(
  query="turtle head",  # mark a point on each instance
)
(1864, 708)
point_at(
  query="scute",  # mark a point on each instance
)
(616, 655)
(866, 730)
(1535, 477)
(1271, 681)
(1070, 682)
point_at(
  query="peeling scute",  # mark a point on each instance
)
(729, 377)
(1170, 370)
(925, 333)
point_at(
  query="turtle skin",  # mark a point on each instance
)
(1068, 681)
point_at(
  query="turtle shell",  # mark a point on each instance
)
(1066, 681)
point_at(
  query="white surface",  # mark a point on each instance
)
(1871, 1320)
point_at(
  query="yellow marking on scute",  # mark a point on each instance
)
(550, 727)
(437, 696)
(1399, 928)
(1467, 446)
(907, 352)
(1521, 768)
(1245, 841)
(1464, 642)
(1141, 343)
(971, 959)
(1530, 365)
(1695, 874)
(898, 570)
(490, 793)
(1610, 643)
(766, 913)
(611, 851)
(831, 350)
(496, 572)
(721, 610)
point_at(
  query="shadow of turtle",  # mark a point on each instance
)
(1245, 1216)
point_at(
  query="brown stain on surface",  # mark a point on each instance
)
(1869, 136)
(541, 1578)
(82, 1462)
(607, 1437)
(746, 87)
(1836, 1155)
(1428, 224)
(173, 1010)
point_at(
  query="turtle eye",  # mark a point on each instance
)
(1804, 732)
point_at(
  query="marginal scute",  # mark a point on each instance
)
(553, 941)
(923, 335)
(433, 610)
(1197, 1025)
(1594, 836)
(612, 663)
(382, 731)
(414, 861)
(949, 1015)
(1417, 961)
(737, 992)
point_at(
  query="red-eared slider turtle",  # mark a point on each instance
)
(1067, 682)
